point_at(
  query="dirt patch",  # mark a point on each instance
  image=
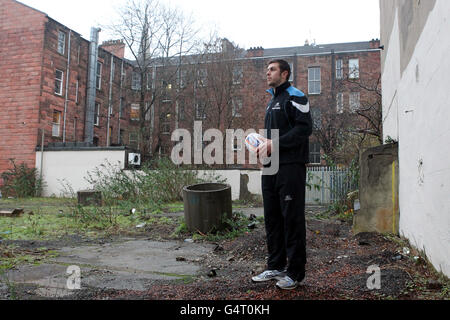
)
(337, 268)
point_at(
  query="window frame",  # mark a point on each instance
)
(121, 107)
(56, 125)
(98, 75)
(313, 153)
(197, 111)
(135, 106)
(61, 81)
(133, 142)
(316, 115)
(136, 81)
(291, 78)
(339, 69)
(97, 114)
(354, 101)
(238, 74)
(61, 47)
(202, 77)
(314, 81)
(77, 88)
(353, 73)
(166, 124)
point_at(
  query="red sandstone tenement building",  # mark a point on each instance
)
(44, 76)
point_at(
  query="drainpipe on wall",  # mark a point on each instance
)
(110, 104)
(120, 103)
(91, 90)
(152, 110)
(66, 101)
(42, 156)
(333, 77)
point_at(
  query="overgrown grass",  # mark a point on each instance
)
(156, 183)
(234, 228)
(53, 218)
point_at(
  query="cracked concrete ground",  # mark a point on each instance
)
(156, 268)
(131, 264)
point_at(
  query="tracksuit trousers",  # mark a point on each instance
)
(284, 214)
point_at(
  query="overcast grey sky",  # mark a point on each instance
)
(248, 23)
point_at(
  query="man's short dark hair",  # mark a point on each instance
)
(284, 66)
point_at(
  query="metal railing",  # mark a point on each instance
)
(325, 185)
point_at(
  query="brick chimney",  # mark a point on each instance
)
(116, 47)
(255, 52)
(374, 44)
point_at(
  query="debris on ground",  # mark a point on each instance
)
(11, 213)
(339, 265)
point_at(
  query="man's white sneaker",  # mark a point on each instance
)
(286, 283)
(269, 275)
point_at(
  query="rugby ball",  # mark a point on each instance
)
(253, 141)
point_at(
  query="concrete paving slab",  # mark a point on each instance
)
(139, 256)
(131, 265)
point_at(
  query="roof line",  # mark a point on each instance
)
(308, 54)
(25, 5)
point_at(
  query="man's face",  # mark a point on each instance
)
(274, 76)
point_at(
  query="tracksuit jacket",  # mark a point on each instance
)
(289, 112)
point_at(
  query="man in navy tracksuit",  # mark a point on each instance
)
(284, 192)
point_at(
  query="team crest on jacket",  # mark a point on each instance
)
(304, 108)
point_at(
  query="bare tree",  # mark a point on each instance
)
(157, 37)
(343, 131)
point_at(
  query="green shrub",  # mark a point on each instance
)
(21, 181)
(154, 184)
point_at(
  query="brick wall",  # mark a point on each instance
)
(70, 104)
(21, 43)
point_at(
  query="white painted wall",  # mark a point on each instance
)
(389, 81)
(73, 166)
(233, 178)
(422, 124)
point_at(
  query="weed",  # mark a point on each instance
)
(21, 181)
(11, 286)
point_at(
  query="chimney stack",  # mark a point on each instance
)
(255, 52)
(375, 44)
(116, 47)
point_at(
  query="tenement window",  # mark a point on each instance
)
(339, 69)
(136, 81)
(61, 42)
(353, 68)
(59, 75)
(97, 114)
(200, 111)
(135, 112)
(291, 78)
(98, 79)
(314, 153)
(314, 85)
(355, 98)
(56, 123)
